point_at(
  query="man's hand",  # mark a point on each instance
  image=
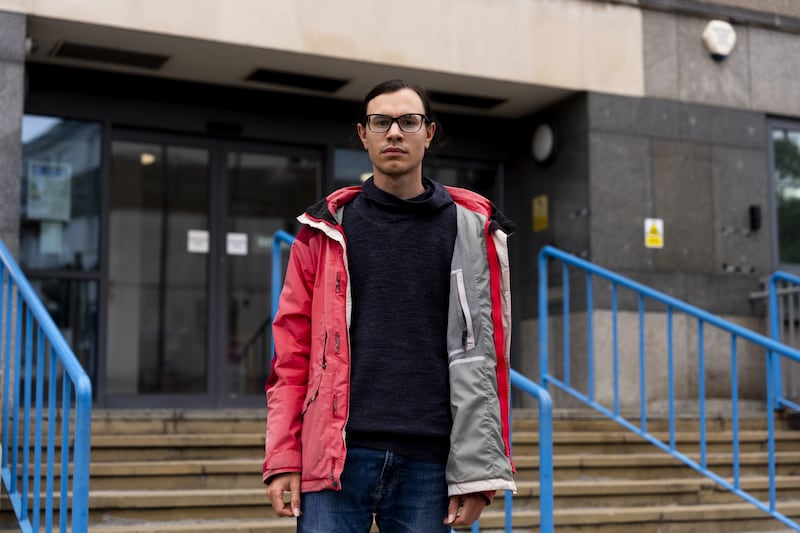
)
(289, 482)
(464, 509)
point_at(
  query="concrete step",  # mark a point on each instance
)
(187, 504)
(586, 441)
(708, 518)
(132, 447)
(177, 471)
(175, 446)
(182, 421)
(242, 473)
(657, 465)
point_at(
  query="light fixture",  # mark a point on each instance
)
(147, 159)
(544, 143)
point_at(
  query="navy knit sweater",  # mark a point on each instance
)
(399, 254)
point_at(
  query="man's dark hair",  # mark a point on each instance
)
(392, 86)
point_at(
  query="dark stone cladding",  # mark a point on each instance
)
(12, 72)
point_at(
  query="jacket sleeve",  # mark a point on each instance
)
(287, 383)
(479, 459)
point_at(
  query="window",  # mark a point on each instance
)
(350, 167)
(60, 211)
(479, 176)
(59, 241)
(786, 176)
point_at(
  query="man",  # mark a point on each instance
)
(388, 396)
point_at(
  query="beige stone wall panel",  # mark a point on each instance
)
(572, 44)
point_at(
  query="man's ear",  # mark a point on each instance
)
(431, 131)
(362, 134)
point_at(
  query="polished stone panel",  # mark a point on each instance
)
(775, 71)
(660, 51)
(12, 72)
(621, 200)
(682, 197)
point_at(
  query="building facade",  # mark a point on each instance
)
(150, 150)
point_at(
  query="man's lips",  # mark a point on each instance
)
(393, 150)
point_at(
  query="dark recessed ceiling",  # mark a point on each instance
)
(115, 56)
(465, 100)
(298, 81)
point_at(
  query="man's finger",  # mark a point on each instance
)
(470, 509)
(294, 500)
(452, 509)
(275, 498)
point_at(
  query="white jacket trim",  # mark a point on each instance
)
(454, 489)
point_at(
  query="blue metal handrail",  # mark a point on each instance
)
(775, 332)
(278, 240)
(22, 311)
(772, 348)
(517, 380)
(545, 453)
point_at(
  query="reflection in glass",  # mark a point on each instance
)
(477, 176)
(351, 166)
(786, 153)
(157, 308)
(265, 193)
(72, 304)
(60, 194)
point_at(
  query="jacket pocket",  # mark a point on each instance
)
(315, 378)
(461, 332)
(312, 392)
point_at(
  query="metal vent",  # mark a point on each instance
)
(465, 100)
(298, 81)
(127, 58)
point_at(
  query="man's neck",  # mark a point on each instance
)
(403, 186)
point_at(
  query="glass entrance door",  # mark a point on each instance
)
(189, 266)
(265, 192)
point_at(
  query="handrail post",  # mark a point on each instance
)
(778, 400)
(278, 239)
(545, 448)
(543, 325)
(774, 329)
(83, 436)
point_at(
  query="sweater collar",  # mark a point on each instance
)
(435, 197)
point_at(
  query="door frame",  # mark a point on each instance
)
(220, 286)
(215, 395)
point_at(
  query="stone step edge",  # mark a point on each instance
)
(494, 518)
(528, 437)
(149, 498)
(600, 460)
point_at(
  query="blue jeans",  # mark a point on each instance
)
(403, 495)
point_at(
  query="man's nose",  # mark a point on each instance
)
(394, 130)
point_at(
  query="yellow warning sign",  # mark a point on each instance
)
(541, 215)
(653, 233)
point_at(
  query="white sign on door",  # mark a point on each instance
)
(237, 244)
(197, 241)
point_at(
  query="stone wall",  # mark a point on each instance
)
(12, 74)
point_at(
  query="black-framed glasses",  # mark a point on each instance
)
(409, 123)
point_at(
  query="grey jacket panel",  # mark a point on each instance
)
(477, 460)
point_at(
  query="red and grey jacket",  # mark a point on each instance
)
(308, 390)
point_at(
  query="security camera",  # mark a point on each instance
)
(719, 38)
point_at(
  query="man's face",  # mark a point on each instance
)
(396, 153)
